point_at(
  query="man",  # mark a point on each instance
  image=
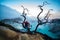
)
(27, 25)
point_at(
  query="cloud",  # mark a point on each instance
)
(55, 16)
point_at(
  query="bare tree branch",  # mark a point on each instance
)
(45, 3)
(39, 21)
(24, 22)
(39, 14)
(40, 6)
(24, 14)
(47, 15)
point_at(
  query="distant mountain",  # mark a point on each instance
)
(55, 20)
(6, 12)
(14, 20)
(55, 24)
(4, 26)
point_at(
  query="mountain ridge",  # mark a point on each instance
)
(6, 12)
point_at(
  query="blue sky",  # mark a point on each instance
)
(55, 3)
(32, 5)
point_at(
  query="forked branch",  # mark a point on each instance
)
(39, 20)
(47, 15)
(24, 14)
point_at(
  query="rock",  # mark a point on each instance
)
(24, 37)
(9, 34)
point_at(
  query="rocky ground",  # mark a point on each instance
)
(7, 34)
(12, 35)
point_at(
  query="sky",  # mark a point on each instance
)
(32, 6)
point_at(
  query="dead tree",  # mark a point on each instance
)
(39, 20)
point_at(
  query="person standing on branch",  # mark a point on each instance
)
(25, 23)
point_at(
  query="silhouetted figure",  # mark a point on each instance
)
(26, 25)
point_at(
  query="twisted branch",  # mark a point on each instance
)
(39, 21)
(47, 15)
(24, 14)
